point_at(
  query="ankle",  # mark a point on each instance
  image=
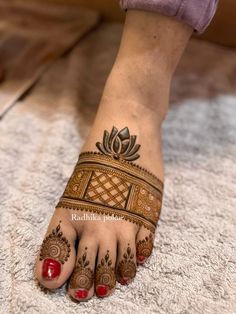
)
(141, 123)
(138, 91)
(131, 112)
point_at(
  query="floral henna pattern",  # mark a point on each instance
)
(144, 248)
(119, 144)
(83, 275)
(105, 273)
(55, 246)
(126, 269)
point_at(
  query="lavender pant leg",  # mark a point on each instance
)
(196, 13)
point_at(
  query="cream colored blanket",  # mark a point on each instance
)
(193, 266)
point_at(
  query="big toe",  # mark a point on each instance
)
(56, 259)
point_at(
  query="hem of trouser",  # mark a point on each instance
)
(184, 11)
(200, 21)
(209, 14)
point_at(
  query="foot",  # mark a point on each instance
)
(92, 255)
(92, 249)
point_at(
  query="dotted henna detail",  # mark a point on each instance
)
(40, 286)
(104, 185)
(55, 246)
(82, 276)
(105, 273)
(144, 247)
(126, 267)
(137, 167)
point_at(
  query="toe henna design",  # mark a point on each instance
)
(83, 275)
(55, 246)
(144, 247)
(40, 286)
(105, 273)
(126, 269)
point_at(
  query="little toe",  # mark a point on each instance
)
(81, 285)
(126, 261)
(144, 245)
(56, 259)
(105, 278)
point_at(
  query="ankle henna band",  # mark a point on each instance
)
(104, 185)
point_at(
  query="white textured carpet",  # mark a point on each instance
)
(193, 267)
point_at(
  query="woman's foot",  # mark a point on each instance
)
(91, 250)
(91, 255)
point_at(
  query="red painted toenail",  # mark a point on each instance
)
(102, 290)
(125, 281)
(81, 293)
(51, 268)
(141, 258)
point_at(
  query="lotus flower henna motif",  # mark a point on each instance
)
(119, 144)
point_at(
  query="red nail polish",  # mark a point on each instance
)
(141, 258)
(102, 290)
(125, 281)
(81, 293)
(51, 269)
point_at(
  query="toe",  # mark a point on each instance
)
(144, 245)
(81, 285)
(126, 260)
(56, 258)
(105, 279)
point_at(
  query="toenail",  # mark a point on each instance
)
(51, 268)
(81, 293)
(102, 290)
(141, 258)
(125, 281)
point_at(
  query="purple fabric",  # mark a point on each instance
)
(196, 13)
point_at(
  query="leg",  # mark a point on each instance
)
(138, 85)
(136, 97)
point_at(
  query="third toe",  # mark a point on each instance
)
(105, 279)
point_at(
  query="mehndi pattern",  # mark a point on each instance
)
(109, 183)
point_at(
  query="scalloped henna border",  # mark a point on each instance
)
(149, 226)
(125, 162)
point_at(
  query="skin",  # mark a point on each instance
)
(136, 95)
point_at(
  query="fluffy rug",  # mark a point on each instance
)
(193, 266)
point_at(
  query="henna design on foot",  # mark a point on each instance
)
(126, 269)
(82, 276)
(40, 286)
(105, 273)
(144, 248)
(104, 185)
(55, 246)
(119, 144)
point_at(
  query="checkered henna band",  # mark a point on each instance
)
(110, 185)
